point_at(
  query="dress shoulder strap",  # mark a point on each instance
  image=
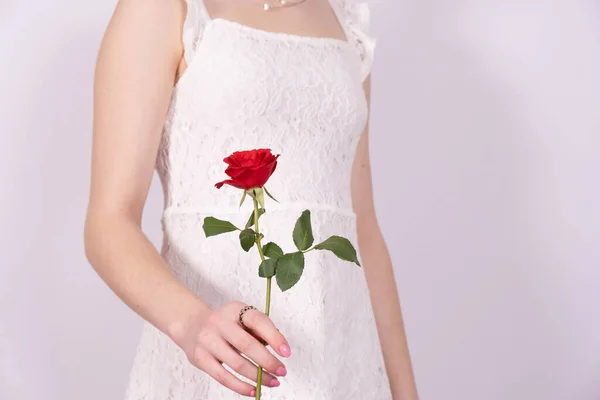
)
(356, 16)
(193, 27)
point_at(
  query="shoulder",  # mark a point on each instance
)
(162, 16)
(357, 14)
(148, 24)
(151, 8)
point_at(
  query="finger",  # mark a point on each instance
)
(262, 326)
(227, 354)
(247, 344)
(213, 367)
(250, 370)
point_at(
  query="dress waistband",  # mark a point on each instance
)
(212, 210)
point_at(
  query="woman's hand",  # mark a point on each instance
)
(215, 337)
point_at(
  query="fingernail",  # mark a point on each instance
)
(253, 392)
(274, 382)
(281, 371)
(285, 350)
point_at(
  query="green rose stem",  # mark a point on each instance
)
(268, 305)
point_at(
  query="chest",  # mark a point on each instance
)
(240, 72)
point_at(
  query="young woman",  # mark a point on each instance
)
(178, 87)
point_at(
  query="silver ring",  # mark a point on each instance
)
(242, 311)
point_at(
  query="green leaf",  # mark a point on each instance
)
(272, 250)
(250, 222)
(289, 270)
(303, 236)
(247, 239)
(243, 198)
(213, 226)
(341, 247)
(267, 268)
(269, 194)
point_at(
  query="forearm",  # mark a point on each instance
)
(131, 266)
(386, 307)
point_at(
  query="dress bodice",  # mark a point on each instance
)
(303, 98)
(247, 88)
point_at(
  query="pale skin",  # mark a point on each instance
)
(140, 59)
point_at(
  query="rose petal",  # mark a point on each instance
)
(234, 172)
(229, 182)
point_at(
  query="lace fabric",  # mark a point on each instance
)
(354, 16)
(193, 26)
(302, 97)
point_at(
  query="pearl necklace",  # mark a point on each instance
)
(282, 3)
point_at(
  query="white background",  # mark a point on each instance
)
(485, 152)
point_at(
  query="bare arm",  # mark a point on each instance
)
(380, 274)
(135, 72)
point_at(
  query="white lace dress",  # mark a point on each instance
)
(302, 97)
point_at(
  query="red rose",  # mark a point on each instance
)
(249, 168)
